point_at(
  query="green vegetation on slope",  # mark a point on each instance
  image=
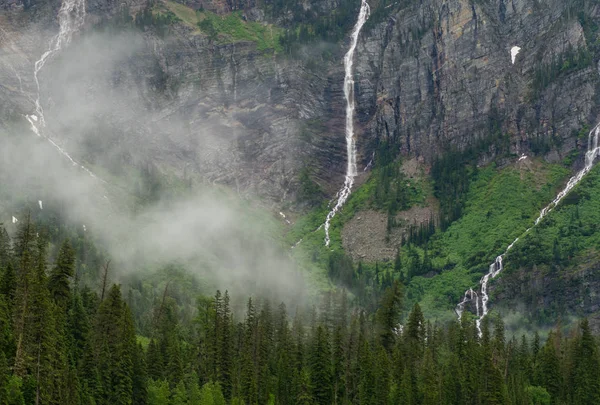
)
(385, 189)
(233, 28)
(500, 205)
(229, 28)
(560, 254)
(570, 229)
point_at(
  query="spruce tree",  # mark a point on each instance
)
(586, 379)
(113, 345)
(305, 390)
(25, 254)
(139, 377)
(8, 284)
(180, 395)
(226, 347)
(5, 249)
(60, 277)
(388, 315)
(320, 367)
(249, 383)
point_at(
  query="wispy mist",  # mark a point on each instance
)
(98, 103)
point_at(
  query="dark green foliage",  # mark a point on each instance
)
(453, 172)
(341, 269)
(585, 375)
(61, 345)
(60, 277)
(309, 191)
(308, 27)
(159, 22)
(320, 367)
(388, 315)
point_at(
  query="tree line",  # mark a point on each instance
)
(63, 343)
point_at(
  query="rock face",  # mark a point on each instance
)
(430, 75)
(439, 73)
(192, 108)
(547, 294)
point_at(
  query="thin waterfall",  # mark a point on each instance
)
(496, 267)
(351, 170)
(71, 17)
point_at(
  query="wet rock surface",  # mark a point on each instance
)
(429, 75)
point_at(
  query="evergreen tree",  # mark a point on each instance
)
(114, 346)
(180, 395)
(5, 249)
(158, 392)
(8, 283)
(78, 328)
(139, 377)
(60, 277)
(225, 352)
(586, 378)
(320, 367)
(305, 390)
(388, 315)
(548, 370)
(249, 383)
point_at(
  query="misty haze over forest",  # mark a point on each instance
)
(299, 202)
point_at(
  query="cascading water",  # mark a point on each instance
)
(496, 267)
(351, 170)
(70, 19)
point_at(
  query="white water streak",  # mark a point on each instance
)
(71, 17)
(351, 170)
(496, 267)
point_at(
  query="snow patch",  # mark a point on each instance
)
(14, 220)
(523, 157)
(40, 204)
(513, 53)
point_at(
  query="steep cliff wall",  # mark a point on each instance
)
(209, 110)
(430, 75)
(439, 73)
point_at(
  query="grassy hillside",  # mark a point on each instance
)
(230, 28)
(499, 205)
(552, 272)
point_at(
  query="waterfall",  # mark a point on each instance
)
(496, 267)
(70, 19)
(351, 170)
